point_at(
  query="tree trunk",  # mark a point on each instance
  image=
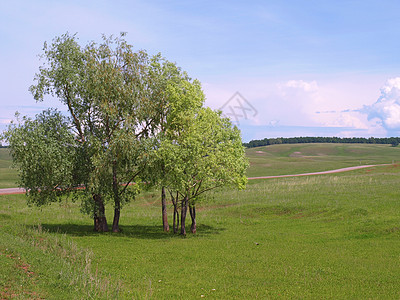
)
(174, 227)
(99, 217)
(117, 212)
(177, 211)
(176, 215)
(117, 200)
(176, 218)
(164, 210)
(192, 210)
(183, 215)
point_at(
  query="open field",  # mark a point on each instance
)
(331, 236)
(305, 158)
(8, 176)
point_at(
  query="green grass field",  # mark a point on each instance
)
(305, 158)
(8, 176)
(320, 237)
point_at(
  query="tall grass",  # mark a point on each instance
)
(52, 266)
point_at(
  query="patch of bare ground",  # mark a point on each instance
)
(296, 154)
(150, 203)
(211, 207)
(8, 292)
(393, 166)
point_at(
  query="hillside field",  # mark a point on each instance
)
(304, 158)
(320, 237)
(8, 176)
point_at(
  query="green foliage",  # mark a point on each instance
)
(43, 152)
(197, 150)
(130, 116)
(201, 152)
(116, 99)
(104, 87)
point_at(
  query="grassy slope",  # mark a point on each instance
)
(331, 236)
(8, 176)
(303, 158)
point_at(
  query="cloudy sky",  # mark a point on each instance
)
(277, 68)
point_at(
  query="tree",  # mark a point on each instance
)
(131, 117)
(111, 94)
(166, 74)
(47, 172)
(201, 151)
(181, 96)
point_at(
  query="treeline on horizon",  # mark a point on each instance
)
(394, 141)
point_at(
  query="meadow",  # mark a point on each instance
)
(329, 236)
(305, 158)
(8, 176)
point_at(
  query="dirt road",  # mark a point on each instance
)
(12, 191)
(318, 173)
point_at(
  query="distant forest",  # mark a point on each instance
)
(394, 141)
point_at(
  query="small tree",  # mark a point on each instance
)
(44, 153)
(168, 75)
(203, 151)
(182, 98)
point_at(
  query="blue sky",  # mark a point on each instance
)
(301, 67)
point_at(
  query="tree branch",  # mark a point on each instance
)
(129, 182)
(76, 120)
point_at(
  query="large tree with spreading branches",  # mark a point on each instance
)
(112, 95)
(130, 118)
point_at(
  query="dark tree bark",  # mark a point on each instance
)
(192, 210)
(175, 223)
(164, 210)
(117, 212)
(174, 227)
(183, 215)
(177, 220)
(99, 217)
(117, 200)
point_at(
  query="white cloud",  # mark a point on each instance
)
(299, 101)
(303, 85)
(351, 120)
(387, 107)
(332, 102)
